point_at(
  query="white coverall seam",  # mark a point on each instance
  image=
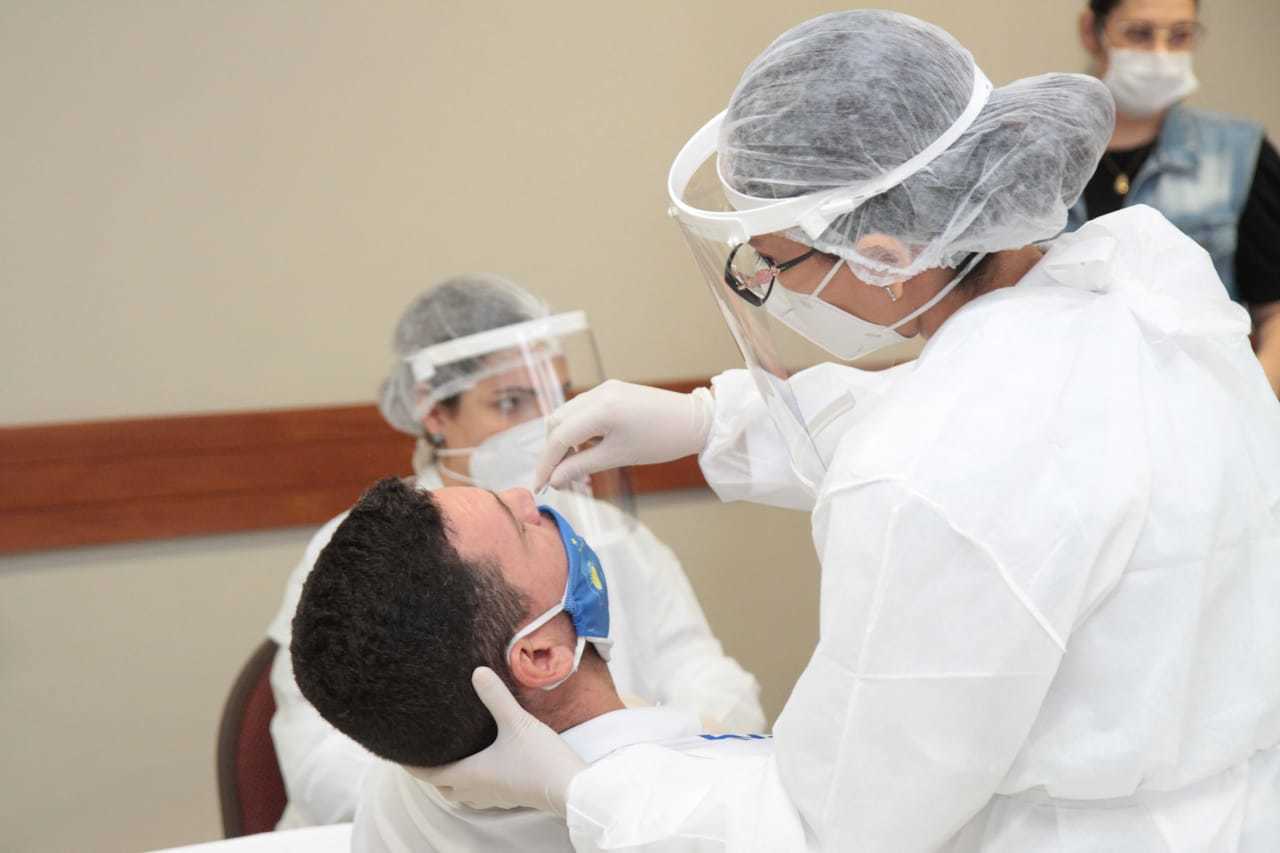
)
(872, 618)
(1013, 587)
(906, 494)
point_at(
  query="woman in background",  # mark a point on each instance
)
(665, 652)
(1216, 177)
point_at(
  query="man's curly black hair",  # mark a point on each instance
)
(391, 624)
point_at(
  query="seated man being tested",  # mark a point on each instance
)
(414, 591)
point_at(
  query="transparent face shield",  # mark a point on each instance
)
(498, 386)
(718, 224)
(754, 333)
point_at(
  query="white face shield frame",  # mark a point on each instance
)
(715, 219)
(749, 216)
(520, 374)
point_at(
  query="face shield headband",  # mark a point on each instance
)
(428, 365)
(812, 213)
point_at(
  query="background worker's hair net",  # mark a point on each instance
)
(846, 97)
(454, 308)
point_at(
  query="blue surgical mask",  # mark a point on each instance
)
(585, 599)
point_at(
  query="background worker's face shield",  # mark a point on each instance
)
(497, 387)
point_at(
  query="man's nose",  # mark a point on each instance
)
(522, 504)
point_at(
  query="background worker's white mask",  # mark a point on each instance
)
(840, 333)
(1146, 82)
(504, 460)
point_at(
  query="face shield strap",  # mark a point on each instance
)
(814, 212)
(542, 332)
(966, 267)
(425, 362)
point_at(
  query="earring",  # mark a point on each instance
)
(888, 289)
(435, 439)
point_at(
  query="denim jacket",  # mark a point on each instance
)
(1199, 177)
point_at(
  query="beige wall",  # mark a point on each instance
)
(214, 206)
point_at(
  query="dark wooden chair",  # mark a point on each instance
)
(249, 782)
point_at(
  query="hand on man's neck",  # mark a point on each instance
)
(587, 694)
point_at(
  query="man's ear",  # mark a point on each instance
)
(543, 658)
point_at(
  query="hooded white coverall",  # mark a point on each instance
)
(1050, 602)
(663, 652)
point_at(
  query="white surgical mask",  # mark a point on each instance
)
(837, 331)
(504, 460)
(1146, 82)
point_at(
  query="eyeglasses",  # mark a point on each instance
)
(1144, 35)
(752, 274)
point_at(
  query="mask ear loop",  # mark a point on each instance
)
(831, 274)
(577, 661)
(441, 453)
(538, 623)
(455, 474)
(970, 263)
(826, 279)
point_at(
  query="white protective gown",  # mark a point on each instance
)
(664, 652)
(399, 813)
(1050, 604)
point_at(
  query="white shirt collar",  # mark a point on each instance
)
(606, 733)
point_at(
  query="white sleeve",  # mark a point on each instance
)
(322, 768)
(745, 457)
(932, 664)
(683, 661)
(930, 670)
(654, 799)
(383, 821)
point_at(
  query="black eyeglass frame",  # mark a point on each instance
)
(774, 269)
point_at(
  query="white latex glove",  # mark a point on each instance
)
(528, 765)
(636, 425)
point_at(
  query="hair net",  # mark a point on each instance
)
(843, 99)
(456, 307)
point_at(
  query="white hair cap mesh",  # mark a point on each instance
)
(845, 98)
(454, 308)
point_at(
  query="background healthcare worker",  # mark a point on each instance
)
(1048, 547)
(477, 415)
(1214, 176)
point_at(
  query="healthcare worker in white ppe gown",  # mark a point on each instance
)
(1050, 547)
(480, 362)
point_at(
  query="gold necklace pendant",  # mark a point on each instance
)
(1121, 185)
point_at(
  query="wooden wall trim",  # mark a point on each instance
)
(100, 482)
